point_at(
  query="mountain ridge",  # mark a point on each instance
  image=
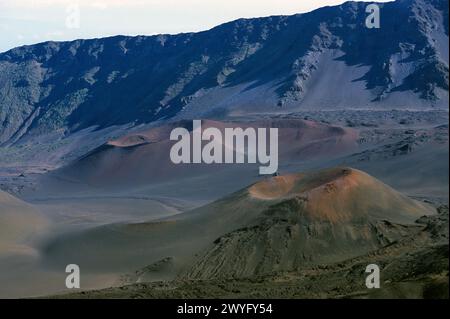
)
(271, 64)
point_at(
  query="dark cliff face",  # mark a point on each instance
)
(72, 85)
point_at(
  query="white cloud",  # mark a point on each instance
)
(37, 19)
(54, 34)
(36, 4)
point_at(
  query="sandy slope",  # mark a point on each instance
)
(21, 227)
(152, 250)
(344, 213)
(19, 223)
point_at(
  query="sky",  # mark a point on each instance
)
(32, 21)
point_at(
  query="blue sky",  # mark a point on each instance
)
(31, 21)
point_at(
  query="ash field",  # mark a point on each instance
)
(86, 177)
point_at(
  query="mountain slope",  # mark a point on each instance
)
(19, 222)
(322, 59)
